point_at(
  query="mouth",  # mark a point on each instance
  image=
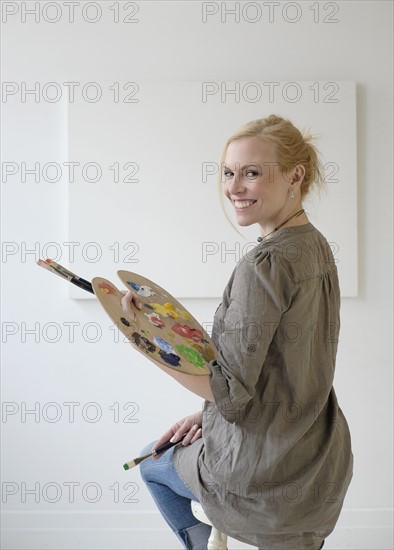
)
(243, 205)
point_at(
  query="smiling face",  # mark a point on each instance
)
(256, 186)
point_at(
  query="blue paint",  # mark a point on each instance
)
(164, 345)
(134, 285)
(170, 358)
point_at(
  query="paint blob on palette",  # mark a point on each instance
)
(163, 330)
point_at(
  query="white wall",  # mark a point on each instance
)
(169, 41)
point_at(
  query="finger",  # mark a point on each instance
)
(125, 303)
(163, 439)
(197, 435)
(156, 457)
(128, 301)
(190, 435)
(133, 298)
(180, 431)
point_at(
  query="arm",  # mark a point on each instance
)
(199, 384)
(261, 291)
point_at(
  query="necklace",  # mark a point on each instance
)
(259, 239)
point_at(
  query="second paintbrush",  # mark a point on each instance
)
(157, 451)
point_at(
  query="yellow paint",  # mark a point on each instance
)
(177, 312)
(170, 308)
(184, 314)
(166, 310)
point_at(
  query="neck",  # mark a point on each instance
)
(271, 228)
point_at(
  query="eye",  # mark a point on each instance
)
(251, 174)
(227, 173)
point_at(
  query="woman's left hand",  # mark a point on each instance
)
(130, 298)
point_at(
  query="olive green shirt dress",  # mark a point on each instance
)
(274, 461)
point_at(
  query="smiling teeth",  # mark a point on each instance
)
(243, 204)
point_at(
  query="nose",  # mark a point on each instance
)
(236, 184)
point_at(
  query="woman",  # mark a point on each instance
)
(269, 456)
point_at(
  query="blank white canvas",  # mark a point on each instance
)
(165, 221)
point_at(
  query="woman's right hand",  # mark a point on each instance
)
(190, 425)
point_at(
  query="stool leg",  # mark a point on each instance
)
(217, 540)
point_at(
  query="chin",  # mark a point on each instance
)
(244, 223)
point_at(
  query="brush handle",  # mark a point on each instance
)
(72, 277)
(66, 274)
(165, 447)
(81, 283)
(159, 450)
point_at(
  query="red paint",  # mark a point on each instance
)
(188, 332)
(107, 288)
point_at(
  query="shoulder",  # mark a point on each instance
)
(262, 275)
(266, 261)
(300, 252)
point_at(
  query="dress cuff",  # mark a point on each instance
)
(221, 393)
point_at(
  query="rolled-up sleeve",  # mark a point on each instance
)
(261, 291)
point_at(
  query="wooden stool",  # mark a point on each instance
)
(217, 540)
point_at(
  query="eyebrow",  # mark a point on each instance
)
(253, 164)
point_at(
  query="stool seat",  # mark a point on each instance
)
(217, 540)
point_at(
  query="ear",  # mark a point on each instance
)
(297, 177)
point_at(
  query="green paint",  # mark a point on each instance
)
(191, 355)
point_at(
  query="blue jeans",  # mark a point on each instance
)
(173, 499)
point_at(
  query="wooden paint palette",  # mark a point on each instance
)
(163, 329)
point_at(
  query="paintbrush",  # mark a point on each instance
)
(54, 267)
(157, 451)
(67, 272)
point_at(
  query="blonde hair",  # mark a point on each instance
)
(291, 148)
